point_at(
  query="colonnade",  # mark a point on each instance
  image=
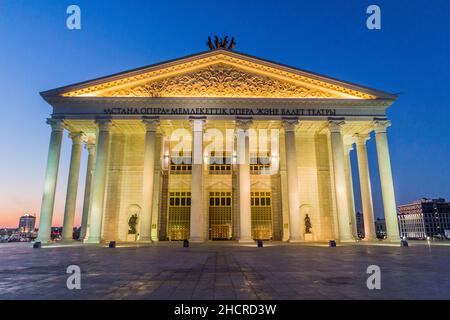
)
(98, 153)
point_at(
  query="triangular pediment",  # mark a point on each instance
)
(221, 80)
(218, 186)
(221, 74)
(260, 185)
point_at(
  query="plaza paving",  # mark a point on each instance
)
(225, 271)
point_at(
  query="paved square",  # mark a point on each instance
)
(225, 271)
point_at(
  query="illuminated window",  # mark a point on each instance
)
(260, 163)
(220, 164)
(220, 199)
(180, 164)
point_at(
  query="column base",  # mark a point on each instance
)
(246, 241)
(295, 240)
(347, 241)
(145, 240)
(196, 240)
(392, 240)
(92, 240)
(67, 241)
(371, 239)
(43, 240)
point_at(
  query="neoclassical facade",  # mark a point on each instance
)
(218, 146)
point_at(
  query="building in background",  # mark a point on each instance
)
(24, 233)
(360, 225)
(380, 228)
(425, 218)
(56, 233)
(6, 233)
(26, 224)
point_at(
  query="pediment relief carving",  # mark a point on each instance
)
(221, 80)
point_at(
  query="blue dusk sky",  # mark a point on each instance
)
(409, 54)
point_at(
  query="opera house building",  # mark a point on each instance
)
(218, 145)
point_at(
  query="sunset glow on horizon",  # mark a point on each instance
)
(39, 53)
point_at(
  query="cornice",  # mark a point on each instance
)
(152, 102)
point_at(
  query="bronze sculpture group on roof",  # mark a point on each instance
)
(220, 43)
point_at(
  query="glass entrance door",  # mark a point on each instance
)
(261, 203)
(220, 216)
(179, 215)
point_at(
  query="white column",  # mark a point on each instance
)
(243, 161)
(366, 189)
(51, 176)
(197, 226)
(90, 146)
(156, 203)
(350, 192)
(151, 124)
(99, 180)
(337, 148)
(72, 185)
(295, 223)
(387, 184)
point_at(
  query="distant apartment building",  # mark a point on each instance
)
(7, 232)
(26, 224)
(424, 218)
(380, 226)
(360, 225)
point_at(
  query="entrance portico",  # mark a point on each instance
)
(219, 145)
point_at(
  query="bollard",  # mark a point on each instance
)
(403, 243)
(37, 245)
(332, 243)
(260, 243)
(112, 244)
(186, 244)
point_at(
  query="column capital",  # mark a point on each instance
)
(77, 137)
(381, 125)
(244, 123)
(103, 123)
(348, 148)
(334, 125)
(151, 123)
(361, 138)
(289, 124)
(57, 124)
(197, 123)
(89, 145)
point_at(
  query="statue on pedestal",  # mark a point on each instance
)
(308, 225)
(132, 223)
